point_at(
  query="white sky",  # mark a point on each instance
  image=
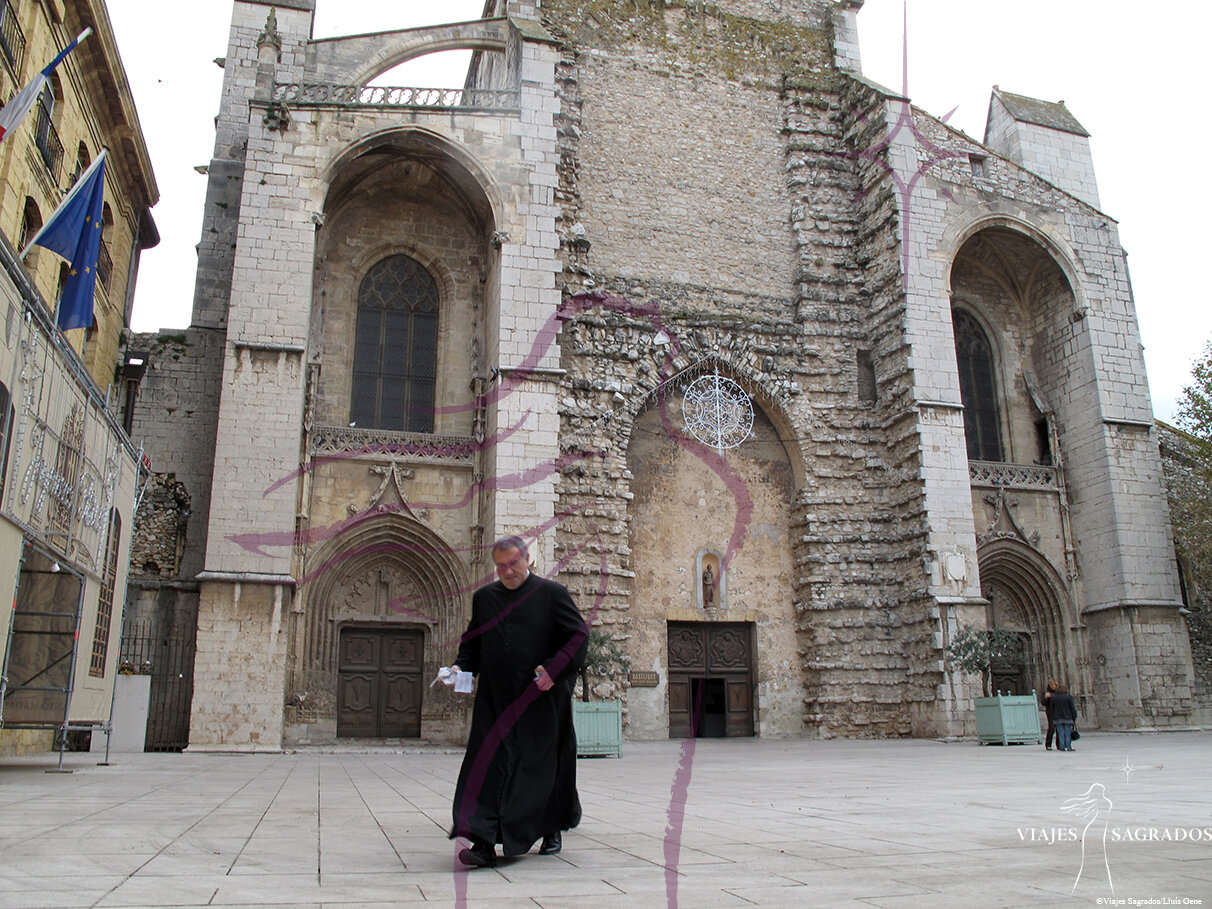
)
(1128, 73)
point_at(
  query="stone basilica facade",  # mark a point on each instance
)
(423, 320)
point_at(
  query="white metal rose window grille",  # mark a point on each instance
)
(717, 412)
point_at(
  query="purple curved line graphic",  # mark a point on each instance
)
(877, 154)
(257, 543)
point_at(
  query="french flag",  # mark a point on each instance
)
(15, 111)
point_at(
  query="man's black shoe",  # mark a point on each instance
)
(480, 855)
(551, 844)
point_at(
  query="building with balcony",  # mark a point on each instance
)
(787, 381)
(68, 469)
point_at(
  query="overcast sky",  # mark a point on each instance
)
(1127, 72)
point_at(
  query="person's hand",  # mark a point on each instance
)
(542, 679)
(455, 669)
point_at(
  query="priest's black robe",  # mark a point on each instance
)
(518, 779)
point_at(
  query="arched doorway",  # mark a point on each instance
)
(383, 609)
(1026, 597)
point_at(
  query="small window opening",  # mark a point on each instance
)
(1043, 443)
(866, 377)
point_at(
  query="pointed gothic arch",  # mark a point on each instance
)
(464, 171)
(980, 390)
(395, 346)
(688, 369)
(1028, 596)
(389, 572)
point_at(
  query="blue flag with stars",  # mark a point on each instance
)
(74, 232)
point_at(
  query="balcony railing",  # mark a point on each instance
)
(1017, 476)
(343, 441)
(47, 139)
(12, 40)
(324, 93)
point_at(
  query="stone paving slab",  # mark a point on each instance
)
(727, 823)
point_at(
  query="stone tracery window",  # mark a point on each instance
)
(395, 347)
(978, 388)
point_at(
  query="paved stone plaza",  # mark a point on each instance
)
(788, 823)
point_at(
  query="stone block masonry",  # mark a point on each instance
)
(654, 193)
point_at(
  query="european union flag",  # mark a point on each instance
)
(74, 232)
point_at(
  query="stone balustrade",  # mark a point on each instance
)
(323, 93)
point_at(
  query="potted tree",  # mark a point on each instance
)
(599, 724)
(1005, 719)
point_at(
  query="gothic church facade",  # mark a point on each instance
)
(424, 320)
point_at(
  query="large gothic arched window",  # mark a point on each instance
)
(978, 388)
(395, 349)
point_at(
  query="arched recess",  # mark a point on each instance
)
(406, 193)
(1028, 303)
(688, 369)
(389, 571)
(472, 179)
(1028, 596)
(713, 579)
(1055, 247)
(689, 500)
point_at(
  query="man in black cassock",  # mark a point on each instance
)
(525, 642)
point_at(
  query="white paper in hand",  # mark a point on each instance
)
(463, 682)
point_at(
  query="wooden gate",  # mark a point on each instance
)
(379, 685)
(710, 679)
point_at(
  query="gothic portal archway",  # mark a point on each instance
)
(1027, 597)
(382, 611)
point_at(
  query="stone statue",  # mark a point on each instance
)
(708, 588)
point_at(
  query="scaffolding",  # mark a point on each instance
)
(41, 649)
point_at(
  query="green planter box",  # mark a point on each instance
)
(599, 727)
(1008, 719)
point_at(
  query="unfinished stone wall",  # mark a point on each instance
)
(158, 539)
(174, 420)
(786, 280)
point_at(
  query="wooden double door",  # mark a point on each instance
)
(379, 682)
(711, 675)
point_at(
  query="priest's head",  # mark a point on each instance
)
(512, 558)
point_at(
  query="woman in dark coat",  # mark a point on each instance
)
(1064, 715)
(525, 642)
(1049, 690)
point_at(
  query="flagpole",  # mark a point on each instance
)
(14, 112)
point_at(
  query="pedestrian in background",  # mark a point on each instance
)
(1064, 715)
(1049, 690)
